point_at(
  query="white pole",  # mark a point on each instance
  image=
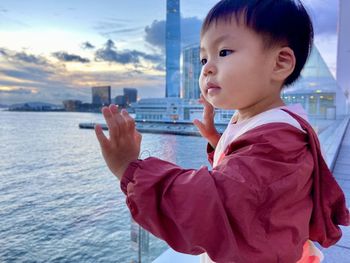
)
(343, 56)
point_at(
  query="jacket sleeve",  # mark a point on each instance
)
(185, 207)
(221, 211)
(210, 154)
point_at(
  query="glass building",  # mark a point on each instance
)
(130, 95)
(101, 95)
(317, 90)
(173, 49)
(343, 58)
(191, 70)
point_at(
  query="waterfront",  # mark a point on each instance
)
(58, 200)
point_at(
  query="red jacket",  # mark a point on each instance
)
(270, 193)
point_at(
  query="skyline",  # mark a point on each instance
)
(53, 52)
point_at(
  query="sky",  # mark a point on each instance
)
(52, 50)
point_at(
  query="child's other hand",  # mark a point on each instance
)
(123, 144)
(206, 127)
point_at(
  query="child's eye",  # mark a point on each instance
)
(203, 61)
(225, 52)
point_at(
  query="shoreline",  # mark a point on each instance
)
(156, 127)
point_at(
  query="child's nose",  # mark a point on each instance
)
(209, 68)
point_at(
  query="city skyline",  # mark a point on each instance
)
(53, 52)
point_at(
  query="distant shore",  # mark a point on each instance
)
(166, 127)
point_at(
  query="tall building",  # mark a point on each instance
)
(101, 95)
(191, 70)
(130, 95)
(120, 101)
(173, 49)
(72, 105)
(343, 58)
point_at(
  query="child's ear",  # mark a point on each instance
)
(284, 64)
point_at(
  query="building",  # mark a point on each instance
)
(343, 58)
(173, 49)
(191, 70)
(130, 95)
(101, 95)
(35, 106)
(174, 110)
(72, 105)
(317, 90)
(120, 101)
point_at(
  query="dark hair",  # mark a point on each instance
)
(277, 21)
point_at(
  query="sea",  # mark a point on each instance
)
(58, 200)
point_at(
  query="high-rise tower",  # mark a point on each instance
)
(101, 95)
(343, 57)
(191, 70)
(173, 48)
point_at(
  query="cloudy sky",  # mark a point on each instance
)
(56, 50)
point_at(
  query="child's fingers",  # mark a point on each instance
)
(205, 102)
(102, 139)
(208, 114)
(116, 114)
(119, 120)
(113, 108)
(138, 137)
(129, 122)
(208, 108)
(200, 126)
(111, 122)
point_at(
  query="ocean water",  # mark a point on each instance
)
(58, 200)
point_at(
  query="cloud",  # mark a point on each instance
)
(324, 15)
(123, 30)
(3, 52)
(111, 27)
(155, 34)
(38, 60)
(64, 56)
(27, 73)
(53, 88)
(54, 82)
(25, 78)
(110, 53)
(190, 31)
(23, 57)
(112, 23)
(159, 67)
(87, 45)
(18, 91)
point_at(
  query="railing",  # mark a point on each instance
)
(331, 139)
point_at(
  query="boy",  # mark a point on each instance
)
(268, 191)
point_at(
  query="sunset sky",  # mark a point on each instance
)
(56, 50)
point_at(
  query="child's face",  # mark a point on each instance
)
(237, 65)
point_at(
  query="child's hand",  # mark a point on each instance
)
(206, 127)
(123, 144)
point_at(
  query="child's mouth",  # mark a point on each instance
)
(213, 90)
